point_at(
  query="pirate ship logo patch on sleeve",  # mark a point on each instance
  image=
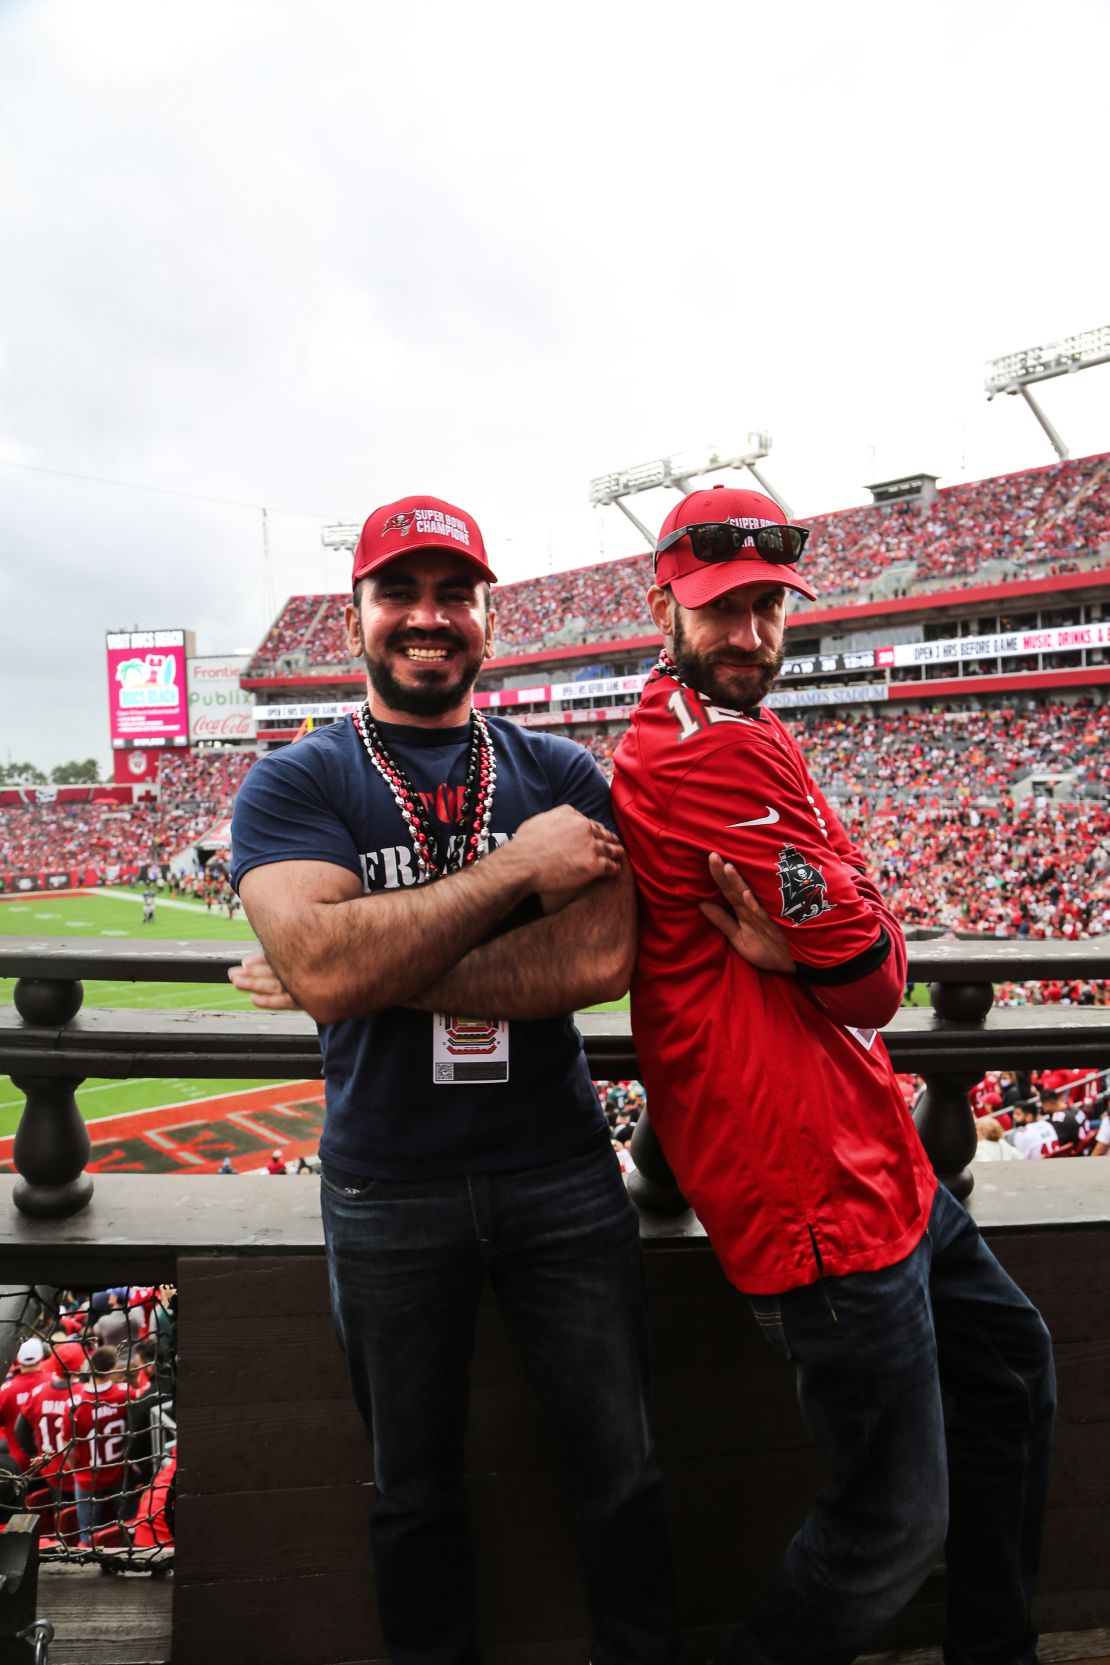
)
(804, 891)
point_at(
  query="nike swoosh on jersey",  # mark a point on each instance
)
(767, 820)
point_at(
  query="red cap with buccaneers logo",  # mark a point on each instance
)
(695, 583)
(417, 523)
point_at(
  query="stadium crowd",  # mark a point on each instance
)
(1053, 516)
(967, 754)
(927, 795)
(287, 633)
(87, 1422)
(87, 843)
(1031, 870)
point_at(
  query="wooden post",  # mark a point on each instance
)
(653, 1187)
(52, 1142)
(943, 1115)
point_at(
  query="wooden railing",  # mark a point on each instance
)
(49, 1044)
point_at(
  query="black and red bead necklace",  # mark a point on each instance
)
(481, 777)
(665, 666)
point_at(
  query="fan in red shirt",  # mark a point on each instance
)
(777, 1108)
(42, 1432)
(96, 1426)
(32, 1366)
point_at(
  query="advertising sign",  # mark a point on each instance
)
(147, 696)
(851, 693)
(218, 708)
(1059, 639)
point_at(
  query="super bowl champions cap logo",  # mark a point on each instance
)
(399, 523)
(434, 523)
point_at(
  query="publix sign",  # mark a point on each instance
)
(218, 707)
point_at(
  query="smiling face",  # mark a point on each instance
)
(731, 649)
(423, 626)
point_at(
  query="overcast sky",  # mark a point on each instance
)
(320, 257)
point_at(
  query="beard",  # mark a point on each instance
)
(430, 698)
(711, 675)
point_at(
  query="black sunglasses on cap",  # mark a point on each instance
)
(717, 540)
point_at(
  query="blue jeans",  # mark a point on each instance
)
(874, 1352)
(94, 1510)
(560, 1245)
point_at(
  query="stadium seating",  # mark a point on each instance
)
(197, 789)
(1039, 519)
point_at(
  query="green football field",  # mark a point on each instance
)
(118, 913)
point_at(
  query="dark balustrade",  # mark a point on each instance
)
(50, 1045)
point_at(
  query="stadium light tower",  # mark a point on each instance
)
(340, 536)
(1015, 372)
(679, 472)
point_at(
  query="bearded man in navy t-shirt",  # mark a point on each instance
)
(439, 891)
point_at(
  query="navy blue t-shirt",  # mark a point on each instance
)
(388, 1116)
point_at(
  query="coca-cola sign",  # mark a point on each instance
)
(230, 725)
(218, 707)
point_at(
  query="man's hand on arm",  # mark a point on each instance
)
(575, 956)
(867, 1001)
(340, 954)
(256, 976)
(750, 930)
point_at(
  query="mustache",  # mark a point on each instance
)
(767, 661)
(424, 638)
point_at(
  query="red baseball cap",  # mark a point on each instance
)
(695, 583)
(71, 1355)
(415, 523)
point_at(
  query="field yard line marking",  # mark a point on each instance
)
(175, 1146)
(241, 1119)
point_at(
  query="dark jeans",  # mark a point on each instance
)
(94, 1510)
(560, 1245)
(874, 1352)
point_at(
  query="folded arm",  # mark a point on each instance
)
(574, 957)
(867, 1000)
(341, 954)
(799, 899)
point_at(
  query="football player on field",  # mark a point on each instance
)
(767, 961)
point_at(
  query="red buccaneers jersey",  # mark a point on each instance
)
(46, 1415)
(98, 1424)
(14, 1394)
(785, 1128)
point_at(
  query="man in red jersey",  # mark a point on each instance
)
(777, 1108)
(30, 1368)
(42, 1431)
(97, 1427)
